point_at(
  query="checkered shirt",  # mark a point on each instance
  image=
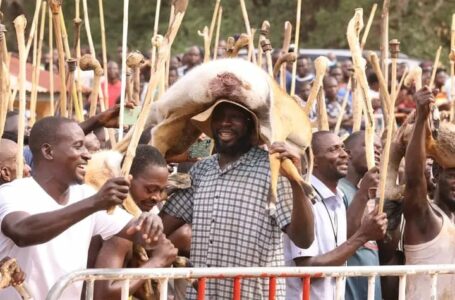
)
(231, 224)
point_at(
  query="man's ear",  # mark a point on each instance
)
(47, 151)
(5, 174)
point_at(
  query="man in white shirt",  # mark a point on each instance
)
(47, 220)
(330, 247)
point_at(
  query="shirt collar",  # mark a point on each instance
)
(326, 194)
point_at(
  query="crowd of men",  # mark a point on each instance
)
(50, 218)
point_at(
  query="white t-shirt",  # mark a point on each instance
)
(325, 230)
(44, 264)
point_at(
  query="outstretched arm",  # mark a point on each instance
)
(422, 224)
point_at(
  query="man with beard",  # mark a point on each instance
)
(330, 247)
(47, 220)
(429, 232)
(227, 203)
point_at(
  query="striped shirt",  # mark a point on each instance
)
(231, 223)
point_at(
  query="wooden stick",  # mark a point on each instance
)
(205, 35)
(55, 6)
(251, 56)
(435, 66)
(384, 46)
(36, 70)
(356, 105)
(265, 45)
(400, 84)
(104, 51)
(4, 97)
(322, 118)
(320, 66)
(20, 23)
(296, 46)
(385, 97)
(72, 64)
(217, 36)
(89, 62)
(214, 18)
(77, 41)
(34, 83)
(284, 59)
(368, 27)
(336, 130)
(287, 35)
(155, 32)
(87, 28)
(394, 51)
(134, 61)
(123, 75)
(34, 27)
(64, 35)
(248, 31)
(51, 67)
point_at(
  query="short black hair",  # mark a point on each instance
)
(146, 155)
(318, 136)
(45, 132)
(351, 141)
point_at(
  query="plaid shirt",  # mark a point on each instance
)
(231, 224)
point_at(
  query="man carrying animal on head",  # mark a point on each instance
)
(228, 202)
(429, 232)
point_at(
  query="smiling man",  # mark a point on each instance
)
(331, 246)
(47, 220)
(227, 204)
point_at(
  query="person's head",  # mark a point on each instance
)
(355, 146)
(92, 143)
(58, 148)
(232, 129)
(194, 56)
(336, 72)
(150, 177)
(113, 73)
(330, 88)
(373, 81)
(8, 161)
(303, 89)
(173, 76)
(330, 157)
(445, 185)
(303, 66)
(440, 79)
(346, 65)
(174, 62)
(12, 121)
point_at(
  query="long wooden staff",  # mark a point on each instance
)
(251, 57)
(287, 35)
(384, 46)
(356, 105)
(452, 70)
(266, 46)
(51, 66)
(348, 86)
(320, 66)
(134, 61)
(212, 24)
(322, 118)
(77, 22)
(435, 66)
(155, 32)
(3, 95)
(123, 75)
(103, 51)
(33, 27)
(89, 62)
(217, 36)
(34, 83)
(36, 69)
(394, 51)
(72, 102)
(205, 35)
(296, 45)
(20, 23)
(55, 6)
(354, 27)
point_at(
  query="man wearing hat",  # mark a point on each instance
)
(227, 203)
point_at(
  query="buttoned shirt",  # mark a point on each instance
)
(330, 232)
(231, 223)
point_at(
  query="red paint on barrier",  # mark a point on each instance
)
(272, 288)
(306, 288)
(201, 288)
(237, 288)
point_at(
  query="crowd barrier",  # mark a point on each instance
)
(163, 275)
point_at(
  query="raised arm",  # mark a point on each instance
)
(301, 228)
(27, 230)
(422, 224)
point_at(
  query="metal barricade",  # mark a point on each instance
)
(272, 273)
